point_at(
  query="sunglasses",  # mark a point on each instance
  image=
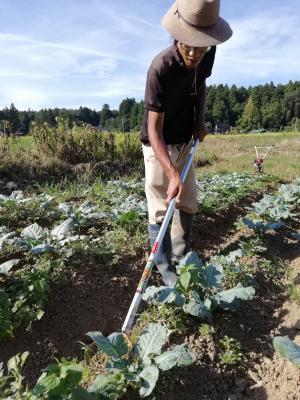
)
(195, 50)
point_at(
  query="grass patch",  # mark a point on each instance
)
(293, 293)
(236, 153)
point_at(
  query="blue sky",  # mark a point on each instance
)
(71, 53)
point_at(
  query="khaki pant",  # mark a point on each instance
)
(156, 182)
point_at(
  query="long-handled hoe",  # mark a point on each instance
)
(147, 271)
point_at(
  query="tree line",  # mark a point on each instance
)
(269, 106)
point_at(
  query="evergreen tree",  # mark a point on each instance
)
(105, 115)
(246, 121)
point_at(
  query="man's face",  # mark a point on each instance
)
(191, 55)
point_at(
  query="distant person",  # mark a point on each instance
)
(174, 114)
(258, 164)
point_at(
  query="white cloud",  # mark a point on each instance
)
(263, 47)
(24, 97)
(74, 53)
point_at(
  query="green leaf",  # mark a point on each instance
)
(184, 279)
(227, 297)
(191, 258)
(16, 363)
(59, 379)
(274, 225)
(46, 384)
(238, 292)
(33, 231)
(197, 309)
(296, 235)
(119, 343)
(104, 344)
(24, 357)
(287, 349)
(150, 341)
(72, 374)
(117, 365)
(63, 230)
(214, 275)
(162, 295)
(7, 266)
(179, 356)
(109, 387)
(81, 394)
(149, 375)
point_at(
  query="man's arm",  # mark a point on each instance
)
(155, 134)
(200, 127)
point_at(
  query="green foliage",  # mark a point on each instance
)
(230, 351)
(59, 380)
(23, 301)
(170, 317)
(268, 106)
(287, 349)
(272, 209)
(199, 289)
(128, 147)
(11, 384)
(205, 330)
(217, 192)
(130, 221)
(74, 145)
(251, 246)
(293, 293)
(136, 367)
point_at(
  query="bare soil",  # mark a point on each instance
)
(89, 299)
(98, 298)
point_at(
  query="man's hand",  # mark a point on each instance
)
(175, 188)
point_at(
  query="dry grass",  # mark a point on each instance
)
(222, 154)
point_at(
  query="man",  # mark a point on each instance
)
(174, 114)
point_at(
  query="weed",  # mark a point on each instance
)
(170, 317)
(293, 293)
(251, 246)
(206, 330)
(230, 351)
(119, 238)
(130, 221)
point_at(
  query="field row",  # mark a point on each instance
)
(65, 233)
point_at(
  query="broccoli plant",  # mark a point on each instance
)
(199, 289)
(273, 208)
(261, 227)
(60, 381)
(136, 367)
(11, 383)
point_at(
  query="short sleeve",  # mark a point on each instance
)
(155, 95)
(205, 67)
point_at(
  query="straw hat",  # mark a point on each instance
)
(197, 23)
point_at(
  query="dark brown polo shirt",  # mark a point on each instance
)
(169, 90)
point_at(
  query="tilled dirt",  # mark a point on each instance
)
(262, 374)
(98, 298)
(89, 299)
(210, 231)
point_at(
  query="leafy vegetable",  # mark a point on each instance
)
(287, 348)
(199, 289)
(137, 367)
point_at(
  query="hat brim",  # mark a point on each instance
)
(202, 37)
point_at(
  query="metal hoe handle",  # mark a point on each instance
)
(147, 271)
